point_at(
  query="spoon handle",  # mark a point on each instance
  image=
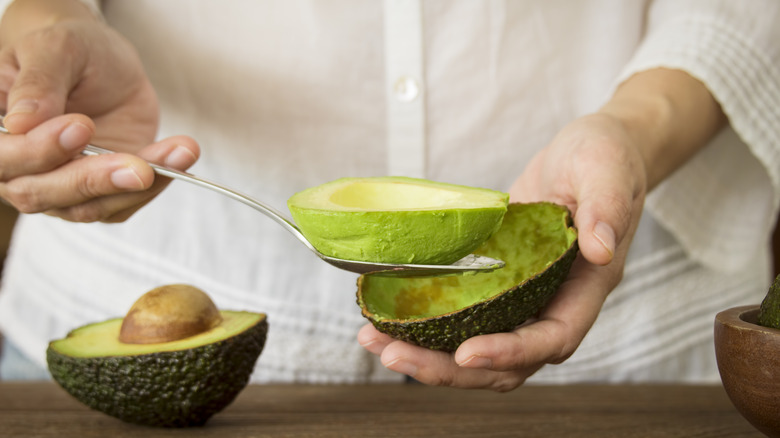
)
(202, 182)
(267, 210)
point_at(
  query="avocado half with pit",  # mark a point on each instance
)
(538, 243)
(397, 219)
(173, 361)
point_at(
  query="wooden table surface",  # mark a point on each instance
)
(42, 409)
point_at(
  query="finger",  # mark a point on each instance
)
(528, 348)
(605, 206)
(78, 181)
(427, 366)
(45, 147)
(176, 152)
(439, 369)
(373, 340)
(49, 63)
(555, 334)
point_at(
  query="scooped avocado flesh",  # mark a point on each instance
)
(178, 382)
(538, 244)
(397, 219)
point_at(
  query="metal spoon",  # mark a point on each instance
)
(471, 262)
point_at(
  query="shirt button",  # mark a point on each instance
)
(406, 89)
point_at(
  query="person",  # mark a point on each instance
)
(655, 122)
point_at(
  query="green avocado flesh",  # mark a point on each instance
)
(538, 243)
(769, 312)
(171, 384)
(397, 219)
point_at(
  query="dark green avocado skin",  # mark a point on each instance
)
(517, 305)
(769, 312)
(166, 389)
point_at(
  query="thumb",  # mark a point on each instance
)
(604, 216)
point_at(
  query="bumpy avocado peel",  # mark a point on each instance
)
(769, 312)
(538, 243)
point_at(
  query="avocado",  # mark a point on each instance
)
(538, 243)
(397, 219)
(173, 361)
(769, 312)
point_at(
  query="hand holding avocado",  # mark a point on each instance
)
(600, 166)
(605, 195)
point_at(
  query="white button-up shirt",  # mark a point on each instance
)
(290, 94)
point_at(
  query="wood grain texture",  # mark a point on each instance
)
(43, 410)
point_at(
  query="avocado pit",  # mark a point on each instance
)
(169, 313)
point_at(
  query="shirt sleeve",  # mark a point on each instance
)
(723, 203)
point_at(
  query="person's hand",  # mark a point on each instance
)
(601, 167)
(67, 84)
(594, 168)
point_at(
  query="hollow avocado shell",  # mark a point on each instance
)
(538, 243)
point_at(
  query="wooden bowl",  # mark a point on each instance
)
(749, 363)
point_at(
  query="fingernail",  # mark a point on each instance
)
(606, 235)
(367, 343)
(75, 136)
(477, 362)
(126, 178)
(403, 367)
(24, 106)
(180, 158)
